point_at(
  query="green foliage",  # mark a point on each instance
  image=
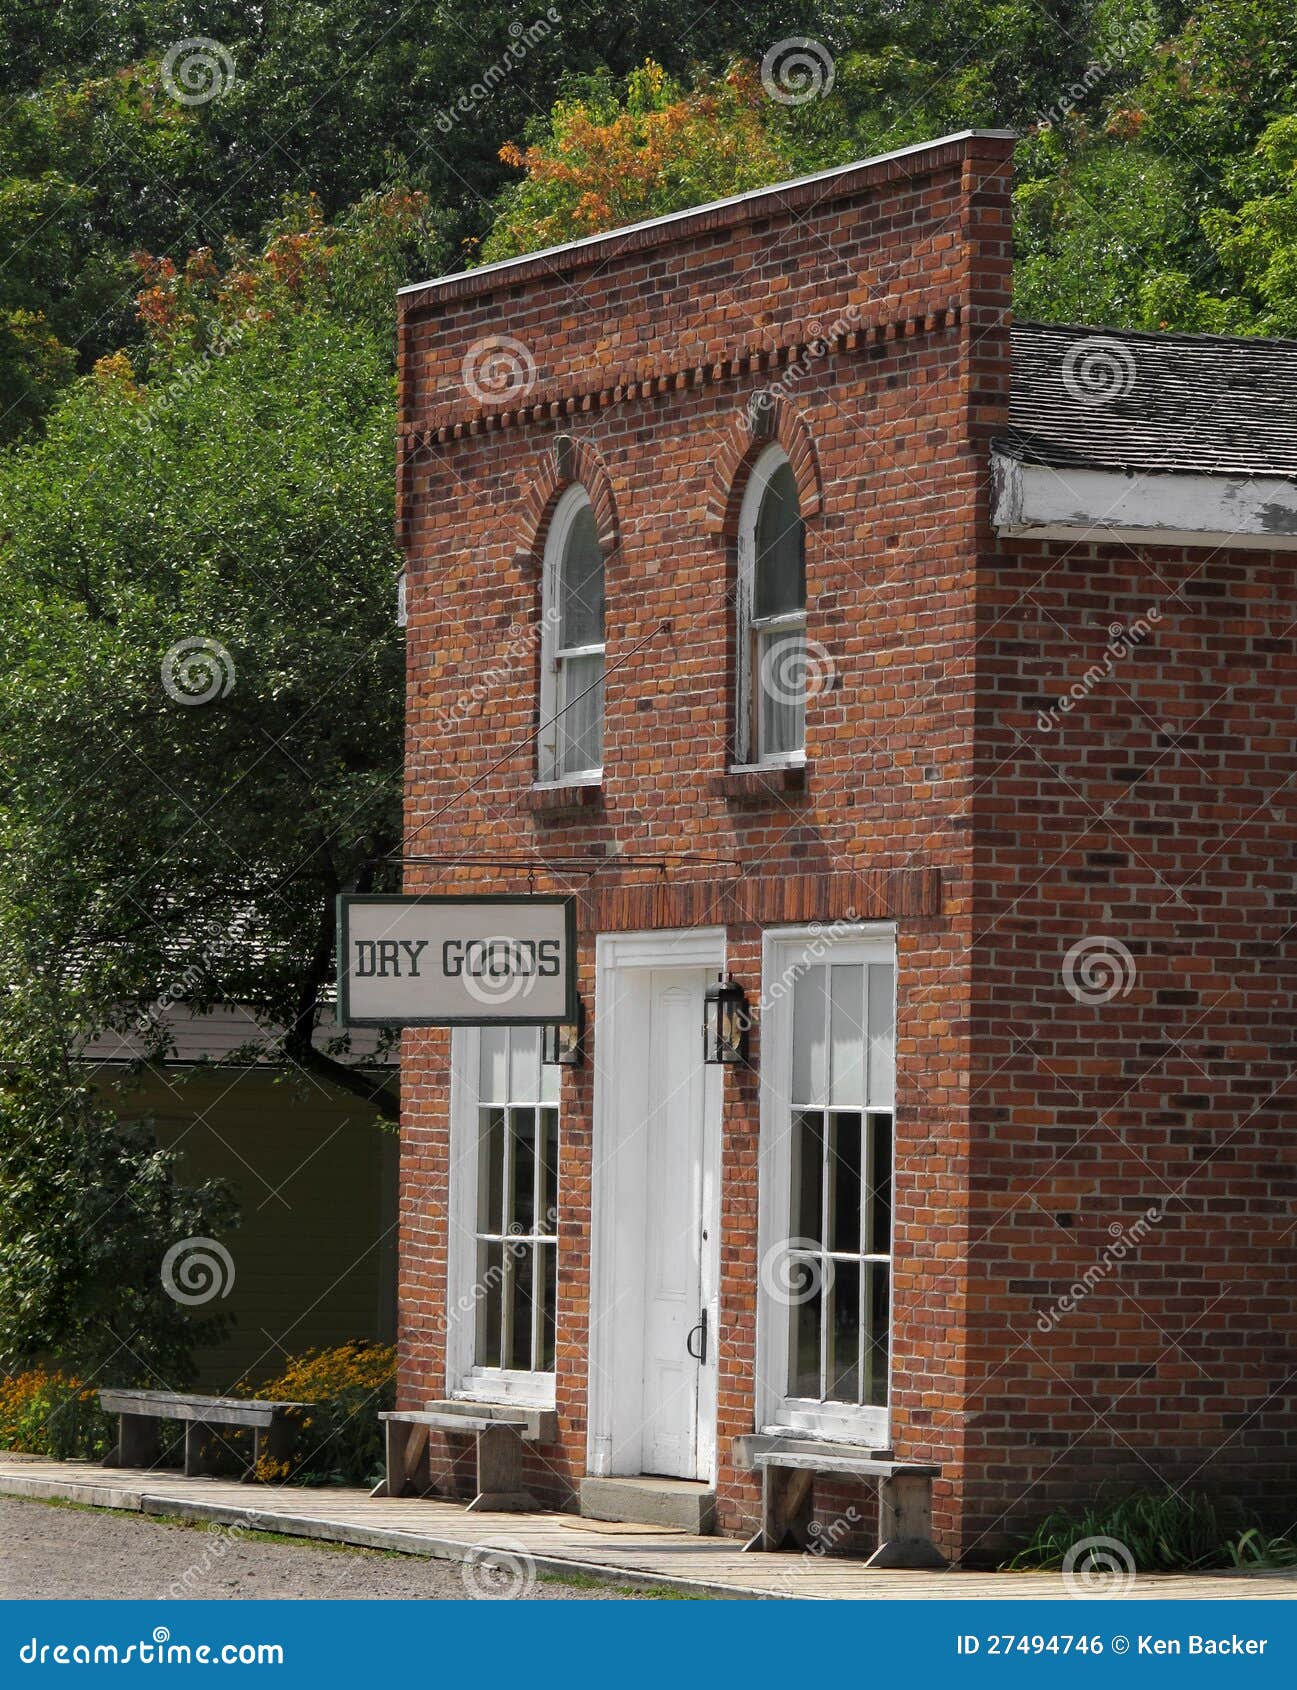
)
(87, 1212)
(341, 1440)
(53, 1414)
(1164, 1532)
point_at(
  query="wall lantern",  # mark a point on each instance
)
(560, 1046)
(725, 1021)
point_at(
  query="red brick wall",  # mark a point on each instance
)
(1156, 814)
(645, 353)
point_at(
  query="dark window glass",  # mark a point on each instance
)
(780, 585)
(844, 1186)
(581, 584)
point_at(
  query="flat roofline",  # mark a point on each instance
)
(572, 250)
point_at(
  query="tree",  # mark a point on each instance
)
(200, 705)
(606, 160)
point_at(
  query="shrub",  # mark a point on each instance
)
(341, 1440)
(1164, 1531)
(54, 1414)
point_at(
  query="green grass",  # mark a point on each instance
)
(1164, 1532)
(649, 1593)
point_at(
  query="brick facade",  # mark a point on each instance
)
(871, 307)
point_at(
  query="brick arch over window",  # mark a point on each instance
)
(569, 459)
(767, 419)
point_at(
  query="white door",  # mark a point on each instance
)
(674, 1329)
(655, 1208)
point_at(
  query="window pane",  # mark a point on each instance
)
(490, 1170)
(844, 1183)
(804, 1349)
(848, 1035)
(880, 1185)
(522, 1197)
(547, 1193)
(808, 1173)
(876, 1316)
(781, 687)
(581, 584)
(844, 1333)
(882, 1035)
(492, 1065)
(579, 728)
(546, 1296)
(524, 1064)
(549, 1074)
(519, 1279)
(490, 1292)
(808, 1036)
(780, 585)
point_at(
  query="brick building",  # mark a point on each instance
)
(933, 678)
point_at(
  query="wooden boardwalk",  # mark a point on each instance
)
(555, 1544)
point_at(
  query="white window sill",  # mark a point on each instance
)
(519, 1390)
(590, 777)
(795, 760)
(832, 1425)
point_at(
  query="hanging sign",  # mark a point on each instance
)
(456, 962)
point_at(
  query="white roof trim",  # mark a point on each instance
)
(502, 265)
(1040, 502)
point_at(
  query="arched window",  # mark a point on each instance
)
(772, 615)
(572, 644)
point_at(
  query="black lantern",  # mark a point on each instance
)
(725, 1021)
(560, 1046)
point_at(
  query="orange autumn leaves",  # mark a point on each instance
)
(607, 163)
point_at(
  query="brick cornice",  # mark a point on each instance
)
(700, 367)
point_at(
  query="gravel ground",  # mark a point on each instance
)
(50, 1552)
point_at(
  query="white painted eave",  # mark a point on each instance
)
(1041, 502)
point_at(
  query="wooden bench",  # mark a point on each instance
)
(499, 1433)
(274, 1427)
(788, 1467)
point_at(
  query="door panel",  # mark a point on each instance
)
(673, 1123)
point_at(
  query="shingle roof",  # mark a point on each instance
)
(1114, 399)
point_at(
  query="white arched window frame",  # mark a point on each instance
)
(572, 645)
(771, 642)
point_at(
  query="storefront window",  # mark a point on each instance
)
(828, 1155)
(505, 1197)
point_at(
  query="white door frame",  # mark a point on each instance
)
(615, 1379)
